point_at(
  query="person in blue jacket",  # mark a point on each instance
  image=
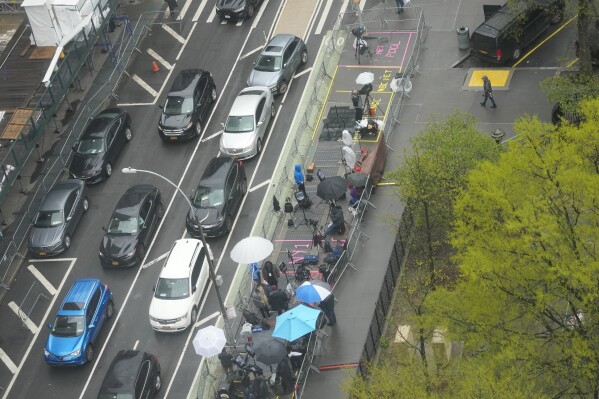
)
(299, 179)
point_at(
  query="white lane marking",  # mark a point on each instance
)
(14, 378)
(54, 260)
(297, 75)
(196, 16)
(136, 343)
(173, 33)
(311, 21)
(207, 319)
(239, 23)
(212, 136)
(212, 15)
(8, 362)
(264, 183)
(344, 7)
(158, 259)
(276, 19)
(362, 4)
(185, 44)
(158, 58)
(259, 15)
(251, 52)
(323, 17)
(133, 104)
(184, 9)
(28, 323)
(42, 279)
(223, 22)
(143, 84)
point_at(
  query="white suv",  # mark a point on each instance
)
(182, 284)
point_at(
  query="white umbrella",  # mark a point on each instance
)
(251, 249)
(365, 78)
(209, 341)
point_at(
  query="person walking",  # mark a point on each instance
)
(488, 92)
(400, 5)
(328, 307)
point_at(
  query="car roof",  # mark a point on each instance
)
(505, 16)
(58, 195)
(277, 44)
(247, 101)
(98, 126)
(131, 201)
(123, 370)
(185, 82)
(216, 172)
(78, 296)
(178, 263)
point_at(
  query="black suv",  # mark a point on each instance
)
(187, 105)
(217, 197)
(132, 374)
(236, 9)
(508, 31)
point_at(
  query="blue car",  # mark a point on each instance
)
(81, 316)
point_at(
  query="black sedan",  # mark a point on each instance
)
(217, 197)
(236, 9)
(57, 218)
(131, 227)
(132, 374)
(100, 145)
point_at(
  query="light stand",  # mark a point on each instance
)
(365, 91)
(303, 203)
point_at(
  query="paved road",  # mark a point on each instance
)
(226, 50)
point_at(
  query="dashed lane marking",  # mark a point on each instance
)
(143, 84)
(184, 9)
(158, 58)
(212, 15)
(251, 52)
(212, 136)
(323, 17)
(42, 279)
(264, 183)
(173, 33)
(297, 75)
(158, 259)
(259, 15)
(8, 362)
(135, 346)
(207, 319)
(239, 22)
(28, 323)
(196, 16)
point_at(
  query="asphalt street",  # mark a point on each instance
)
(227, 51)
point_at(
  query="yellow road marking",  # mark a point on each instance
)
(498, 77)
(325, 102)
(574, 61)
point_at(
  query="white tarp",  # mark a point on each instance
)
(42, 23)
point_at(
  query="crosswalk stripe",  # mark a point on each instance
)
(173, 33)
(158, 58)
(143, 84)
(8, 362)
(196, 16)
(212, 15)
(42, 279)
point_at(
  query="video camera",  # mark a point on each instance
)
(366, 89)
(358, 31)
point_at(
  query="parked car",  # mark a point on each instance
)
(131, 226)
(247, 122)
(100, 145)
(217, 197)
(186, 107)
(236, 9)
(131, 375)
(278, 62)
(58, 217)
(182, 284)
(513, 27)
(82, 314)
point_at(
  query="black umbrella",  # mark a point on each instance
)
(357, 179)
(269, 350)
(331, 188)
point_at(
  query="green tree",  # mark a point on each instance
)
(526, 235)
(569, 90)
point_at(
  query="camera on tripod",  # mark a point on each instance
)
(366, 89)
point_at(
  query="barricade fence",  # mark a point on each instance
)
(102, 92)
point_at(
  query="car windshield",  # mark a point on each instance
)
(123, 225)
(115, 395)
(175, 105)
(172, 288)
(268, 63)
(48, 218)
(68, 326)
(90, 146)
(239, 124)
(208, 197)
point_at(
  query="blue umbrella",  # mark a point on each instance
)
(296, 322)
(313, 291)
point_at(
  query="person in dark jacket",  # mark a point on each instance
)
(337, 219)
(271, 274)
(279, 301)
(488, 92)
(226, 360)
(328, 307)
(286, 375)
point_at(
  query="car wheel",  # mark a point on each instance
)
(128, 133)
(89, 353)
(85, 204)
(157, 383)
(250, 12)
(109, 309)
(67, 242)
(259, 147)
(194, 316)
(214, 94)
(282, 87)
(517, 53)
(304, 56)
(272, 110)
(108, 169)
(244, 187)
(198, 129)
(160, 211)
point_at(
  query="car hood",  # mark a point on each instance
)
(62, 346)
(116, 247)
(167, 309)
(45, 237)
(263, 78)
(230, 4)
(175, 121)
(86, 165)
(210, 216)
(237, 140)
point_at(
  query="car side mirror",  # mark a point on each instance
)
(260, 123)
(285, 65)
(222, 124)
(161, 106)
(194, 288)
(154, 289)
(74, 147)
(91, 325)
(104, 228)
(69, 217)
(49, 325)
